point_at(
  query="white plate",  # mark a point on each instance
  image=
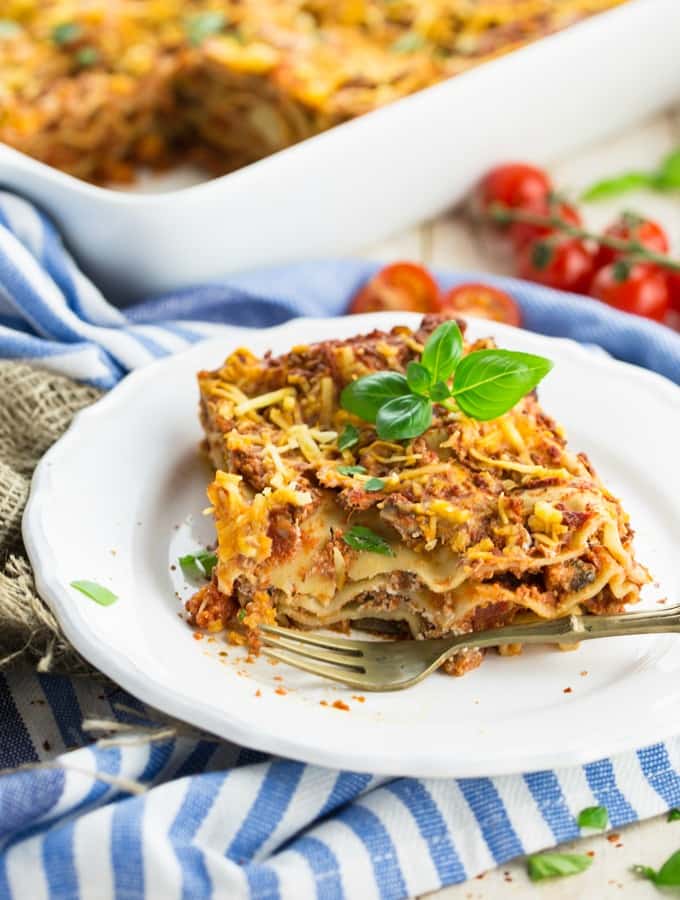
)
(378, 174)
(119, 498)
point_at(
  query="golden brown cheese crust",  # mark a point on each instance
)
(485, 519)
(136, 82)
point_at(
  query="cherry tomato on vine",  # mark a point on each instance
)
(401, 285)
(566, 264)
(631, 227)
(638, 288)
(481, 300)
(522, 233)
(517, 185)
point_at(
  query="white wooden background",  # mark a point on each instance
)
(449, 242)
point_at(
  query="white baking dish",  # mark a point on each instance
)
(375, 175)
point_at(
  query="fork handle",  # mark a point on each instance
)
(570, 629)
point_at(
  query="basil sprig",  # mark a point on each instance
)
(667, 876)
(593, 817)
(348, 437)
(557, 865)
(486, 384)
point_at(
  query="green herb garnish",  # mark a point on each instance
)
(667, 876)
(66, 33)
(557, 865)
(673, 815)
(351, 470)
(408, 43)
(201, 26)
(486, 384)
(97, 592)
(241, 615)
(374, 484)
(198, 565)
(360, 538)
(593, 817)
(87, 56)
(665, 178)
(348, 438)
(8, 28)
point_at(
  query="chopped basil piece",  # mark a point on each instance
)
(673, 815)
(348, 438)
(374, 484)
(408, 43)
(66, 33)
(198, 565)
(8, 28)
(87, 56)
(351, 470)
(360, 538)
(557, 865)
(241, 615)
(593, 817)
(202, 25)
(97, 592)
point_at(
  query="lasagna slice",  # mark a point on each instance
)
(473, 523)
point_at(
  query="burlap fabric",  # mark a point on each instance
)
(36, 407)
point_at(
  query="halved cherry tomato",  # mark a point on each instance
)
(673, 279)
(522, 233)
(631, 227)
(515, 185)
(481, 300)
(400, 285)
(566, 264)
(638, 288)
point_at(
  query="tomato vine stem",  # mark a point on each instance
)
(504, 215)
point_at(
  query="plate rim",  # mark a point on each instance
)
(227, 725)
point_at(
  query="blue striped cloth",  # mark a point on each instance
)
(217, 820)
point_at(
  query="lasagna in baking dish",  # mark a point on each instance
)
(96, 87)
(467, 526)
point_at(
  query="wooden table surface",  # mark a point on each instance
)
(449, 242)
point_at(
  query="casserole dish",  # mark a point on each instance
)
(376, 174)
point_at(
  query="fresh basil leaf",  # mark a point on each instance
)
(668, 176)
(488, 383)
(202, 25)
(348, 438)
(673, 815)
(198, 565)
(404, 418)
(365, 396)
(66, 33)
(613, 187)
(557, 865)
(360, 538)
(97, 592)
(443, 351)
(374, 484)
(408, 43)
(593, 817)
(667, 876)
(440, 391)
(351, 470)
(418, 378)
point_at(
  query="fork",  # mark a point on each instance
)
(395, 665)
